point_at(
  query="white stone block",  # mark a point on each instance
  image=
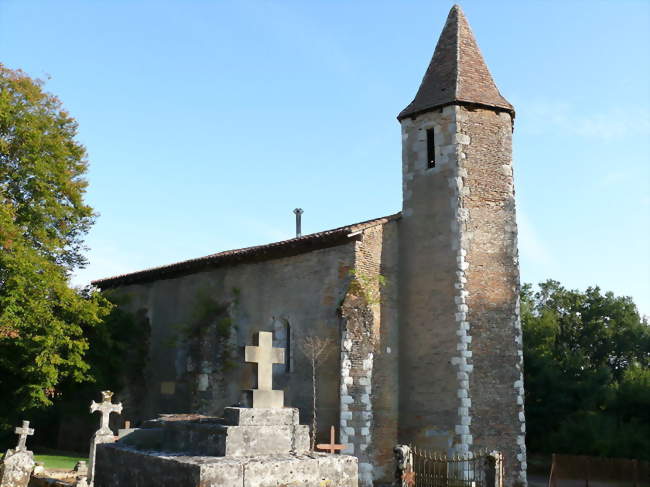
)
(346, 415)
(467, 439)
(462, 139)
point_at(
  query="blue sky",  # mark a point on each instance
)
(207, 122)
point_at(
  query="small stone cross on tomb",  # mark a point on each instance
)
(105, 408)
(23, 433)
(265, 355)
(332, 446)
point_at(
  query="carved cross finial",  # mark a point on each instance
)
(332, 446)
(23, 433)
(265, 355)
(105, 408)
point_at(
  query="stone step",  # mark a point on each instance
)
(242, 432)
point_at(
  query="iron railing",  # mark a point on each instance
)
(425, 468)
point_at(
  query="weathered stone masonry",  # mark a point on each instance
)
(492, 274)
(368, 398)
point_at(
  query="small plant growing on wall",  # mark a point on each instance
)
(316, 349)
(367, 286)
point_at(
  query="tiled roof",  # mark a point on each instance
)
(285, 248)
(457, 73)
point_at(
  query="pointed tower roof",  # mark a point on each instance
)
(457, 73)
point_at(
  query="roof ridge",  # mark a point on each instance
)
(304, 243)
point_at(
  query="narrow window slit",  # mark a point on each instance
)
(431, 149)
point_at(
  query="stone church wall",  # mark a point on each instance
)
(429, 384)
(369, 355)
(201, 322)
(492, 274)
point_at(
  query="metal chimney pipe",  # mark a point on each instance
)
(298, 212)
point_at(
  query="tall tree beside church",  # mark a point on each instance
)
(43, 220)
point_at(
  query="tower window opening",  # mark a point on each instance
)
(431, 149)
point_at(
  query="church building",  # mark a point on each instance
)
(418, 310)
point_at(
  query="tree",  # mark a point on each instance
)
(43, 220)
(316, 349)
(587, 359)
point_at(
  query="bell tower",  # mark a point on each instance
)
(461, 383)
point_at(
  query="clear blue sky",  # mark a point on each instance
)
(207, 122)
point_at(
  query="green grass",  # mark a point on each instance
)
(58, 461)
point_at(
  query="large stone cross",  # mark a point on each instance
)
(23, 433)
(265, 355)
(105, 408)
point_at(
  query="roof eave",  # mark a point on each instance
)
(406, 113)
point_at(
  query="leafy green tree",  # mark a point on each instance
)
(43, 220)
(587, 358)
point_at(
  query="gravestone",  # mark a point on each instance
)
(18, 464)
(248, 447)
(104, 433)
(265, 355)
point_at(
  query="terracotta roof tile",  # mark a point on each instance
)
(285, 248)
(457, 73)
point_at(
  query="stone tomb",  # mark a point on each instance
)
(248, 447)
(17, 465)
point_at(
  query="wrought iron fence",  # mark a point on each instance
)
(418, 467)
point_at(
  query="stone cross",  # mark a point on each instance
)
(105, 408)
(265, 355)
(104, 433)
(24, 432)
(332, 446)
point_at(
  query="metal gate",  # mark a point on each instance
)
(418, 467)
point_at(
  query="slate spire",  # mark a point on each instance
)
(457, 73)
